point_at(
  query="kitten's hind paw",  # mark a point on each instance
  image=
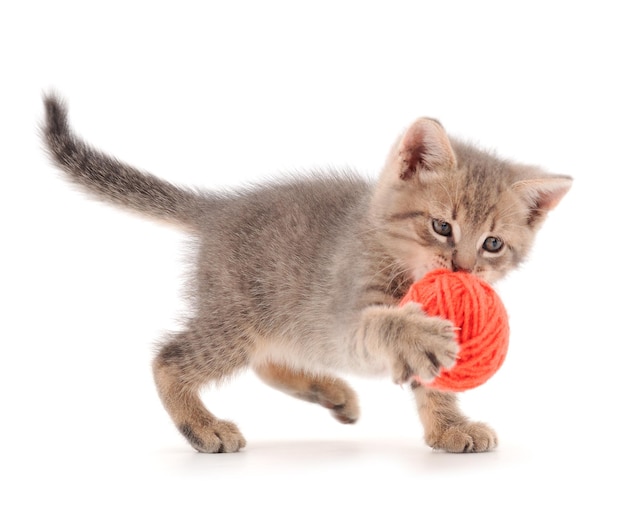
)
(338, 397)
(214, 437)
(328, 391)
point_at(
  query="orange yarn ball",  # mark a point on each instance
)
(475, 308)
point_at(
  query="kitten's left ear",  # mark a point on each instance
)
(542, 194)
(425, 150)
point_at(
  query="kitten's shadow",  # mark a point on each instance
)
(280, 454)
(307, 451)
(272, 457)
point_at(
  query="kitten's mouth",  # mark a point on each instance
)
(488, 276)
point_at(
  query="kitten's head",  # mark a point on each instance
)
(443, 203)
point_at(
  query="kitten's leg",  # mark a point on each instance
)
(446, 428)
(332, 393)
(180, 370)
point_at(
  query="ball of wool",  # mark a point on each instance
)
(479, 314)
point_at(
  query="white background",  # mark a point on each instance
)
(221, 94)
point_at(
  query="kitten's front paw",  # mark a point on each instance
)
(464, 437)
(424, 346)
(214, 436)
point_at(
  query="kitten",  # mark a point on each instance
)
(300, 280)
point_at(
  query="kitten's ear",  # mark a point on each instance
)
(424, 149)
(542, 194)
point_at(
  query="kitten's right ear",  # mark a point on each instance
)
(542, 194)
(425, 150)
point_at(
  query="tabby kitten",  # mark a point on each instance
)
(300, 280)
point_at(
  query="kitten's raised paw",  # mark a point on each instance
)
(464, 437)
(426, 347)
(338, 397)
(216, 436)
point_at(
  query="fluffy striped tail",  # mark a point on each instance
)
(111, 180)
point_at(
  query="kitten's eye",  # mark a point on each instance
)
(493, 244)
(442, 228)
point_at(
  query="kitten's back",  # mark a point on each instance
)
(278, 241)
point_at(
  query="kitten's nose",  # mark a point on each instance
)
(460, 263)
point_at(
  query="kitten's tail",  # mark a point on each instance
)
(110, 179)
